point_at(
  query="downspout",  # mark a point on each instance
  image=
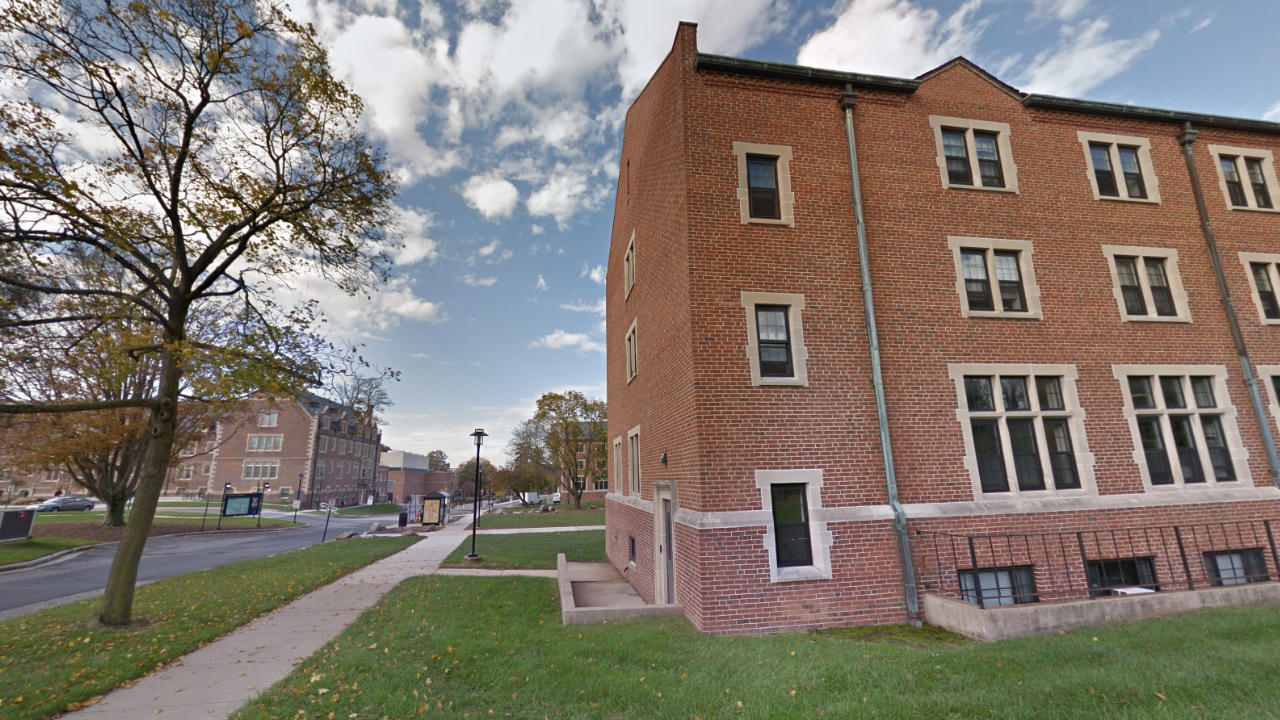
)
(1186, 139)
(848, 101)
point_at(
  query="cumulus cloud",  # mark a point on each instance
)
(380, 309)
(537, 230)
(416, 245)
(491, 195)
(560, 340)
(893, 37)
(597, 273)
(561, 197)
(542, 284)
(488, 249)
(580, 306)
(1084, 59)
(473, 281)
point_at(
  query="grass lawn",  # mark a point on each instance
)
(559, 518)
(534, 550)
(18, 551)
(53, 659)
(368, 510)
(468, 646)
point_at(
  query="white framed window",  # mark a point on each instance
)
(764, 184)
(629, 267)
(268, 419)
(1183, 425)
(1247, 177)
(1120, 167)
(974, 154)
(1147, 284)
(633, 457)
(204, 469)
(1023, 430)
(1263, 270)
(995, 278)
(185, 472)
(261, 469)
(775, 348)
(633, 352)
(799, 545)
(324, 443)
(265, 443)
(617, 463)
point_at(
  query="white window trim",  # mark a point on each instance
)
(1265, 373)
(786, 198)
(1030, 288)
(633, 461)
(1268, 174)
(799, 354)
(1226, 410)
(1170, 257)
(1149, 178)
(1247, 259)
(632, 352)
(249, 443)
(268, 419)
(1007, 166)
(629, 267)
(820, 538)
(1074, 413)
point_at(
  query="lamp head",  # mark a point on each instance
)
(479, 436)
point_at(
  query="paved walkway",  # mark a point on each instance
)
(518, 531)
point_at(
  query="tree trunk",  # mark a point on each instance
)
(115, 511)
(117, 600)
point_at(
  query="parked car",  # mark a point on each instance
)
(67, 503)
(555, 496)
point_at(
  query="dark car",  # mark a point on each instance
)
(60, 504)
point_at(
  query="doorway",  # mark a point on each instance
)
(664, 534)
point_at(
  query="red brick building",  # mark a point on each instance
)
(1065, 406)
(406, 477)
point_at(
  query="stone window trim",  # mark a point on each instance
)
(264, 443)
(1030, 288)
(633, 461)
(1268, 173)
(618, 463)
(799, 354)
(1226, 410)
(1248, 259)
(1179, 293)
(632, 352)
(629, 267)
(1265, 373)
(1149, 179)
(820, 539)
(1002, 132)
(786, 198)
(1073, 412)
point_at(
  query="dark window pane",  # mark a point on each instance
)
(1010, 279)
(1184, 440)
(988, 159)
(1014, 390)
(1236, 568)
(957, 155)
(1159, 282)
(1235, 188)
(1219, 456)
(1026, 457)
(775, 341)
(1259, 182)
(1130, 286)
(977, 283)
(1153, 446)
(791, 525)
(1050, 391)
(986, 446)
(999, 587)
(1171, 387)
(1140, 391)
(977, 392)
(1106, 177)
(1266, 291)
(762, 187)
(1132, 172)
(1127, 572)
(1202, 388)
(1062, 459)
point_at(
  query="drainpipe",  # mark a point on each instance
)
(1186, 139)
(848, 101)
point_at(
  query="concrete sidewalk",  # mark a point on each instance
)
(218, 679)
(518, 531)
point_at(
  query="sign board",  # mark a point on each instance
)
(16, 524)
(241, 504)
(431, 512)
(297, 504)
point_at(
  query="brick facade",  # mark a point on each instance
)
(694, 401)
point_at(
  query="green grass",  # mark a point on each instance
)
(559, 518)
(369, 510)
(54, 658)
(18, 551)
(532, 550)
(471, 645)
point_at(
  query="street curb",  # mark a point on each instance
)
(47, 558)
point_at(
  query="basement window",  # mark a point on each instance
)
(999, 587)
(1239, 567)
(1110, 577)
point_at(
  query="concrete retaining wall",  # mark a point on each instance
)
(570, 614)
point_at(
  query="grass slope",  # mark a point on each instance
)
(532, 550)
(468, 647)
(18, 551)
(559, 518)
(54, 659)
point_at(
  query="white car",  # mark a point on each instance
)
(555, 497)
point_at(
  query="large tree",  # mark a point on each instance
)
(202, 151)
(437, 460)
(467, 476)
(575, 429)
(527, 467)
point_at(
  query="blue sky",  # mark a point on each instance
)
(503, 120)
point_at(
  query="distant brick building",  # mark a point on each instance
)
(407, 476)
(1064, 400)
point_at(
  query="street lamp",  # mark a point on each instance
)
(479, 436)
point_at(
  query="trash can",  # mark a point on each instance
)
(404, 518)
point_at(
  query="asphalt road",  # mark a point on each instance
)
(84, 574)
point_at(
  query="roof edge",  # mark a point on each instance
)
(800, 73)
(1090, 107)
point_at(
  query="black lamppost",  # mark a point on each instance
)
(296, 501)
(479, 435)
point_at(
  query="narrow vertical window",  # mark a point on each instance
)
(1259, 182)
(1140, 391)
(1219, 456)
(957, 153)
(1184, 441)
(1202, 388)
(1102, 170)
(1012, 296)
(1130, 285)
(1049, 390)
(1062, 460)
(1014, 390)
(988, 151)
(1161, 294)
(762, 185)
(791, 525)
(1026, 456)
(633, 456)
(629, 267)
(986, 446)
(1266, 291)
(1231, 174)
(977, 282)
(1153, 446)
(1132, 172)
(774, 340)
(633, 354)
(1171, 388)
(977, 392)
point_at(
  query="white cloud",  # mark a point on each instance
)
(580, 306)
(473, 281)
(488, 249)
(417, 246)
(473, 363)
(542, 284)
(1060, 9)
(1205, 22)
(597, 273)
(421, 356)
(1084, 58)
(561, 197)
(538, 230)
(893, 37)
(1273, 114)
(560, 340)
(491, 195)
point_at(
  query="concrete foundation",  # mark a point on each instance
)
(595, 592)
